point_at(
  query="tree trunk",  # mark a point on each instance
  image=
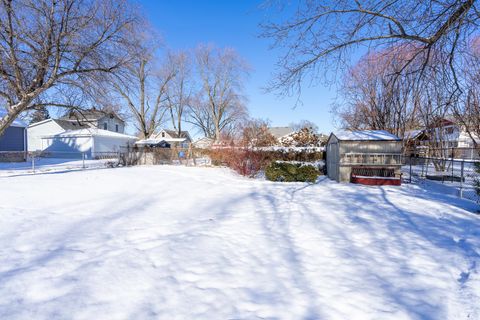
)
(10, 117)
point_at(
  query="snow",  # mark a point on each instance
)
(16, 123)
(366, 135)
(412, 134)
(172, 242)
(91, 132)
(50, 165)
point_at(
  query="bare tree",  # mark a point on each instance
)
(143, 87)
(322, 34)
(180, 89)
(297, 126)
(373, 100)
(255, 133)
(467, 109)
(220, 102)
(51, 44)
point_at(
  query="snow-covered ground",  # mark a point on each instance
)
(166, 242)
(50, 165)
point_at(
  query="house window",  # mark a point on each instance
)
(116, 128)
(105, 126)
(163, 134)
(449, 130)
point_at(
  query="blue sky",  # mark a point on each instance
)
(183, 24)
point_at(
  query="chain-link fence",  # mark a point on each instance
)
(56, 161)
(456, 176)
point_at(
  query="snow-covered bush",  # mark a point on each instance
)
(291, 172)
(305, 137)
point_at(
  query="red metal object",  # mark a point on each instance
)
(376, 181)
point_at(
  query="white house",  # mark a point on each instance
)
(75, 120)
(94, 118)
(171, 137)
(89, 141)
(203, 143)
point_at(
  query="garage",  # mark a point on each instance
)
(89, 142)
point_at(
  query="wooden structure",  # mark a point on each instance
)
(371, 157)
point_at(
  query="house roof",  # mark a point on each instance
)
(64, 124)
(279, 132)
(412, 134)
(174, 134)
(157, 141)
(366, 135)
(90, 132)
(16, 123)
(89, 114)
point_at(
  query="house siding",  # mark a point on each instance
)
(36, 132)
(111, 124)
(13, 139)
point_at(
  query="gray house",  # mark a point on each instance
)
(13, 141)
(367, 157)
(100, 119)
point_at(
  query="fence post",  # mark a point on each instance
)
(33, 163)
(453, 172)
(462, 165)
(83, 160)
(411, 159)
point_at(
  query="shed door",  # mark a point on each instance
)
(332, 161)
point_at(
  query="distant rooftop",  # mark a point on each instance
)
(366, 135)
(279, 132)
(89, 114)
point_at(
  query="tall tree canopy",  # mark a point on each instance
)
(52, 45)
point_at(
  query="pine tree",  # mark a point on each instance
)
(40, 115)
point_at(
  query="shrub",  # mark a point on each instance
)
(291, 172)
(244, 161)
(248, 161)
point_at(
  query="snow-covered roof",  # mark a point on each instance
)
(366, 135)
(412, 134)
(90, 132)
(156, 141)
(279, 132)
(16, 123)
(64, 124)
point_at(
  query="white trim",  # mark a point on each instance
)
(40, 122)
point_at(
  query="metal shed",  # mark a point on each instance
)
(368, 157)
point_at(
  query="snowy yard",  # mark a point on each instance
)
(201, 243)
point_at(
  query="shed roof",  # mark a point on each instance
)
(16, 123)
(366, 135)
